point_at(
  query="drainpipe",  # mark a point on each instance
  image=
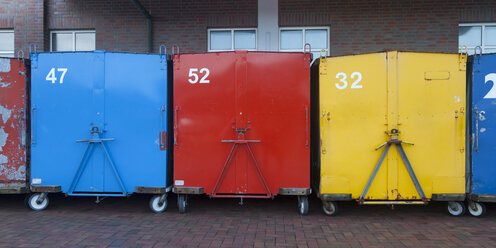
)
(148, 23)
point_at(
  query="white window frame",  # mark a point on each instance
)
(483, 30)
(73, 32)
(6, 53)
(232, 38)
(327, 49)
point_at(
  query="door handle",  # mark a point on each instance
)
(33, 127)
(162, 136)
(479, 116)
(22, 129)
(306, 127)
(175, 125)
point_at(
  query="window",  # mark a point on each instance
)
(232, 39)
(7, 43)
(474, 35)
(83, 40)
(294, 39)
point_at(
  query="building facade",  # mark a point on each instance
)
(337, 26)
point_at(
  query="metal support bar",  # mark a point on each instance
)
(82, 165)
(411, 172)
(374, 173)
(408, 166)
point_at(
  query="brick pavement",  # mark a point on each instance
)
(119, 222)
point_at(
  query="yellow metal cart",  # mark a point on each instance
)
(391, 128)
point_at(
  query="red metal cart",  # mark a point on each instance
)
(241, 125)
(13, 164)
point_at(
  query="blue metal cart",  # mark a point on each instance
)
(99, 126)
(481, 179)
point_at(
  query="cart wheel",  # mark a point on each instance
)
(303, 204)
(35, 204)
(456, 208)
(156, 205)
(476, 209)
(330, 208)
(181, 203)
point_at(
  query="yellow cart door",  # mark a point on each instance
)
(431, 115)
(353, 118)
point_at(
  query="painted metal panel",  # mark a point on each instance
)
(13, 90)
(407, 107)
(483, 123)
(99, 122)
(251, 106)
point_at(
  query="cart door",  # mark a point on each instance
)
(12, 124)
(431, 116)
(484, 124)
(353, 121)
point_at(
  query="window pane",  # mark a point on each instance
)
(6, 54)
(291, 39)
(220, 40)
(61, 42)
(317, 38)
(490, 50)
(85, 41)
(244, 39)
(490, 36)
(6, 41)
(470, 36)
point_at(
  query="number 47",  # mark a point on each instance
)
(51, 75)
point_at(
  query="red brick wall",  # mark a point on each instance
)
(359, 26)
(356, 25)
(26, 18)
(121, 26)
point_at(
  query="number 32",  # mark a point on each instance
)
(342, 78)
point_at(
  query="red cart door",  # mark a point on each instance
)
(12, 125)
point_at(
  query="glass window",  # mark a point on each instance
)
(477, 35)
(7, 43)
(79, 40)
(317, 38)
(220, 40)
(232, 39)
(245, 39)
(490, 36)
(291, 39)
(62, 42)
(294, 39)
(85, 41)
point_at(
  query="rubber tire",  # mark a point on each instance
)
(154, 204)
(303, 204)
(480, 209)
(459, 211)
(35, 206)
(181, 203)
(330, 210)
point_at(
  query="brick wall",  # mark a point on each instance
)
(121, 26)
(356, 25)
(359, 26)
(26, 18)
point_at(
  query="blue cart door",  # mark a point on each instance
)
(484, 124)
(66, 102)
(136, 117)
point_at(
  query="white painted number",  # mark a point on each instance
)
(192, 73)
(51, 75)
(492, 92)
(342, 78)
(204, 79)
(193, 76)
(64, 71)
(355, 85)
